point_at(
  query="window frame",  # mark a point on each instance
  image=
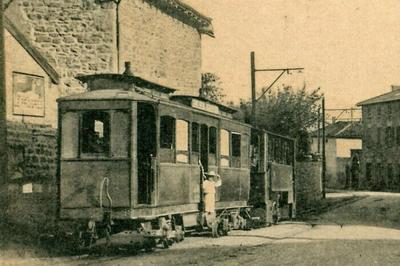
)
(236, 160)
(83, 135)
(172, 142)
(179, 152)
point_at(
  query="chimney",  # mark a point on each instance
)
(395, 87)
(128, 70)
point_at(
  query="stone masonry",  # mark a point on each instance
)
(32, 155)
(160, 48)
(75, 36)
(308, 184)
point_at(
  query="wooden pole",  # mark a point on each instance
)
(253, 89)
(3, 124)
(323, 150)
(319, 131)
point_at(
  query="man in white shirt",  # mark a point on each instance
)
(212, 181)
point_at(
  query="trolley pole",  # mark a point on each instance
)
(323, 150)
(253, 89)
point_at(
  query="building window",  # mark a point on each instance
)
(95, 132)
(389, 176)
(398, 135)
(368, 171)
(388, 136)
(378, 136)
(195, 137)
(167, 132)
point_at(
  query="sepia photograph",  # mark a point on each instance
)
(199, 132)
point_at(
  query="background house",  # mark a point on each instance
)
(381, 141)
(49, 43)
(342, 147)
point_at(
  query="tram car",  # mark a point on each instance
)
(132, 158)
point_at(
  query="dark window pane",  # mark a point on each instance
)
(212, 141)
(95, 132)
(236, 145)
(167, 132)
(195, 137)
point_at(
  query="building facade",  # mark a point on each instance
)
(49, 43)
(381, 141)
(343, 139)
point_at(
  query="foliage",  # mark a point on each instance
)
(211, 87)
(287, 111)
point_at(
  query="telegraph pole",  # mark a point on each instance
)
(319, 131)
(253, 89)
(3, 124)
(253, 71)
(323, 150)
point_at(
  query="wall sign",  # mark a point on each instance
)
(28, 94)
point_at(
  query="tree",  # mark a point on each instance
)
(286, 111)
(211, 87)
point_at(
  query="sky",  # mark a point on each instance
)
(350, 49)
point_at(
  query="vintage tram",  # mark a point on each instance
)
(129, 157)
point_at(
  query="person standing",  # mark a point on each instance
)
(212, 180)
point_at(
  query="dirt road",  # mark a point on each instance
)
(362, 232)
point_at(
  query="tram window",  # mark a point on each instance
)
(167, 132)
(212, 140)
(95, 132)
(182, 141)
(119, 134)
(224, 146)
(236, 144)
(195, 137)
(69, 135)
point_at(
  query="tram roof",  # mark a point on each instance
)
(128, 79)
(108, 94)
(186, 99)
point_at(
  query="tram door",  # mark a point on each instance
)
(204, 146)
(146, 151)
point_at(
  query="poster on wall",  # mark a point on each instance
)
(28, 96)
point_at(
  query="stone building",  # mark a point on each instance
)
(381, 141)
(49, 42)
(343, 140)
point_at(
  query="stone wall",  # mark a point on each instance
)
(80, 37)
(32, 174)
(75, 36)
(160, 48)
(308, 184)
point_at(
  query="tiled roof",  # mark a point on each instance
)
(387, 97)
(342, 129)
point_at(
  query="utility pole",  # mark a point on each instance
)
(3, 124)
(253, 71)
(319, 131)
(323, 150)
(253, 89)
(3, 121)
